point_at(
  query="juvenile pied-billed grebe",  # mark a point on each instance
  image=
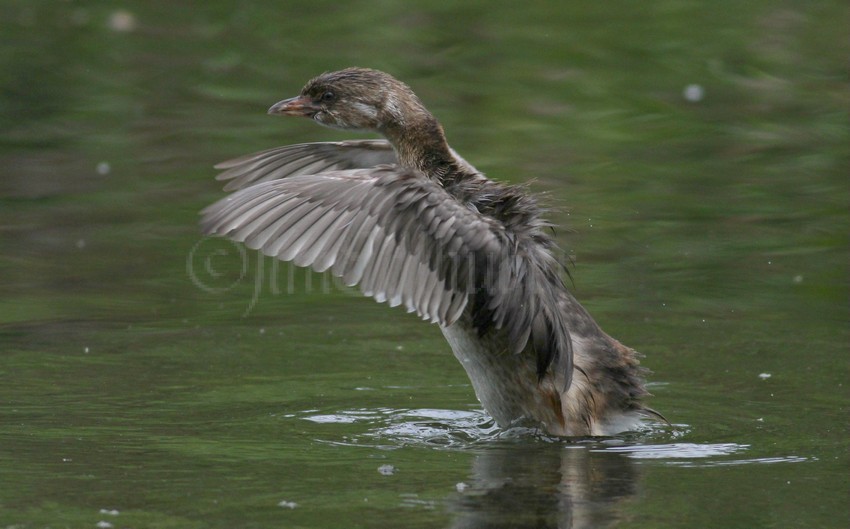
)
(413, 224)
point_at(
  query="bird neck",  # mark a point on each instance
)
(418, 140)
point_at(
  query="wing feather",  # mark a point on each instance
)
(400, 237)
(304, 158)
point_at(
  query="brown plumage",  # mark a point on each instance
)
(412, 223)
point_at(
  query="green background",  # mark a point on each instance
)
(185, 384)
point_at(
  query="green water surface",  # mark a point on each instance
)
(696, 155)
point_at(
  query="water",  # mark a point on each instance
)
(149, 378)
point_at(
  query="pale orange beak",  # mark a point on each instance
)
(295, 106)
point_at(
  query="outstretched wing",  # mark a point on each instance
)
(405, 240)
(398, 236)
(304, 158)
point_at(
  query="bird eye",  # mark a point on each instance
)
(328, 96)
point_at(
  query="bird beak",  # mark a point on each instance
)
(295, 106)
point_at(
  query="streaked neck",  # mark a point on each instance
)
(418, 138)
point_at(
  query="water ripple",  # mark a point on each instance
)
(391, 428)
(677, 450)
(697, 454)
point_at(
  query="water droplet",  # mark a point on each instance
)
(121, 21)
(693, 93)
(386, 470)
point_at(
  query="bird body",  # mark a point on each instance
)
(412, 223)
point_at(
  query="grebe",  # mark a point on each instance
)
(413, 224)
